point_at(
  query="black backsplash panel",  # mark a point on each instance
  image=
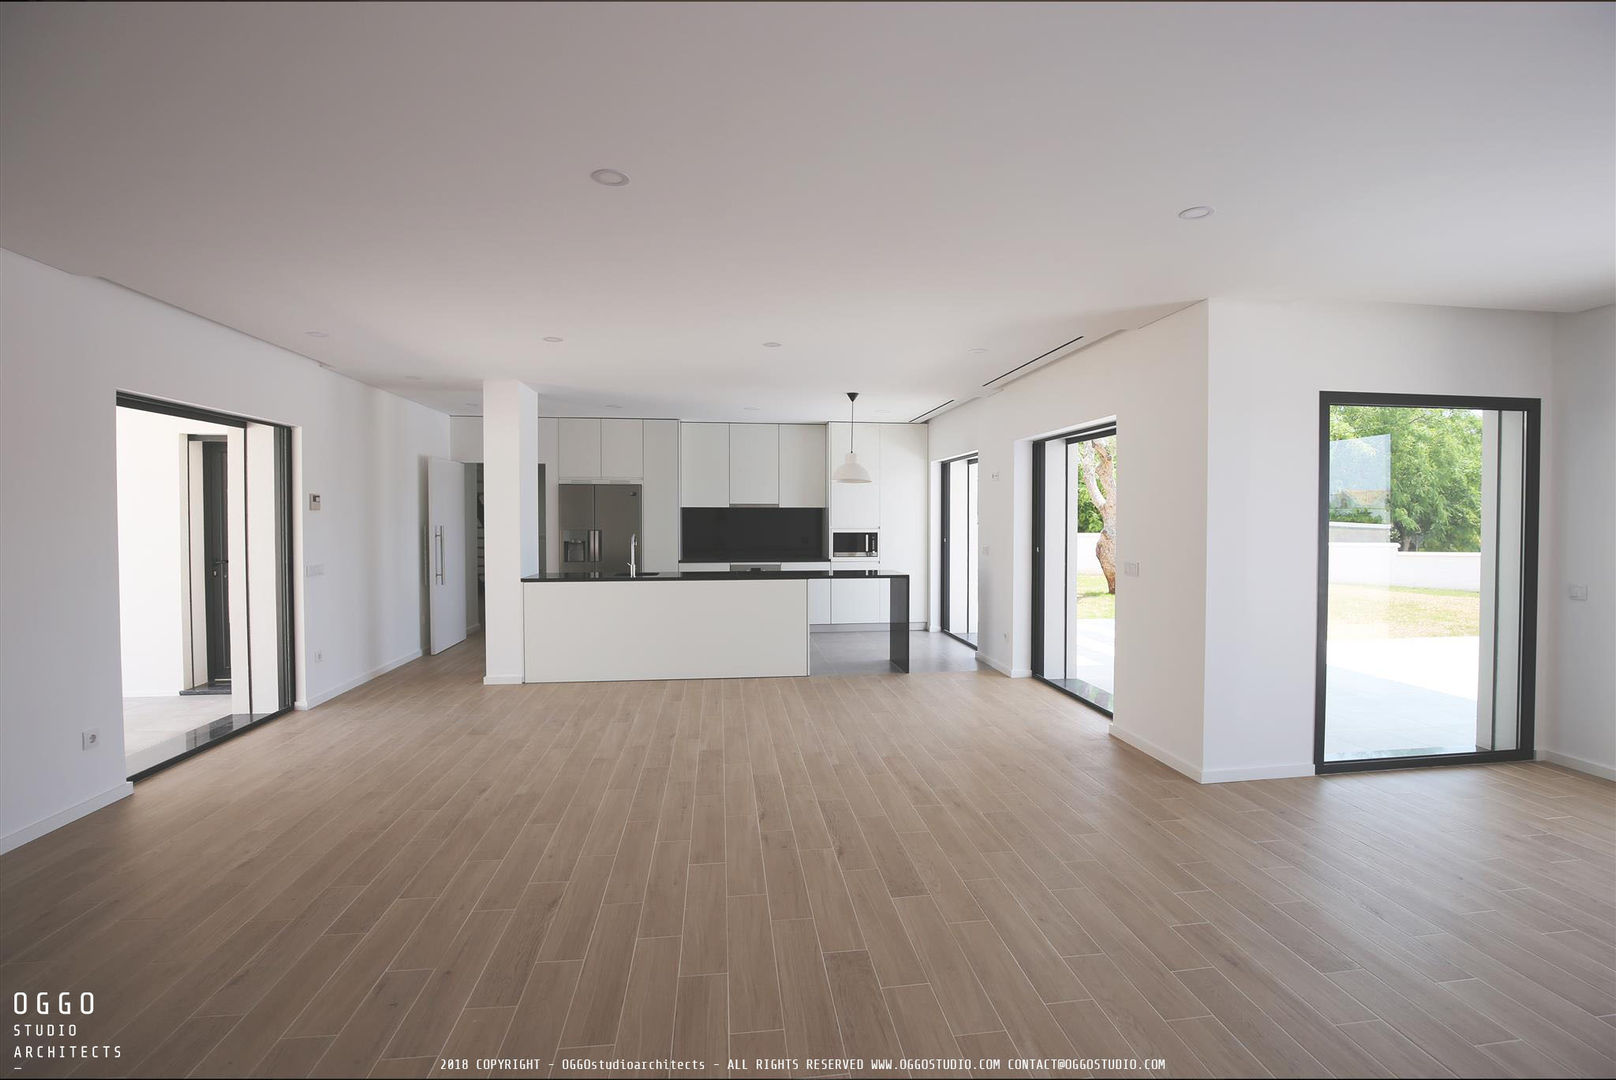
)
(752, 534)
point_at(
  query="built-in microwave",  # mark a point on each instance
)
(855, 545)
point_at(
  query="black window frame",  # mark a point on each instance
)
(1531, 498)
(1039, 510)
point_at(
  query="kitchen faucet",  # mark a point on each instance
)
(633, 551)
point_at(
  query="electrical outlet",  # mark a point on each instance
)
(1130, 569)
(319, 657)
(91, 739)
(315, 569)
(1579, 592)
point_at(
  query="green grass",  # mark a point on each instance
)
(1380, 611)
(1094, 600)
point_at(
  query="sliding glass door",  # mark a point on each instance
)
(959, 549)
(1075, 564)
(1427, 580)
(205, 580)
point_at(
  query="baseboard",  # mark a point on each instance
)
(72, 813)
(1259, 772)
(1577, 764)
(1145, 746)
(502, 680)
(1003, 668)
(315, 700)
(856, 627)
(473, 628)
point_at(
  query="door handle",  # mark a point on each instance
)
(439, 553)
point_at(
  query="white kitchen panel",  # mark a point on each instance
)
(754, 464)
(622, 449)
(580, 448)
(803, 465)
(704, 465)
(601, 631)
(659, 496)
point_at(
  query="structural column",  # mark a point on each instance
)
(510, 518)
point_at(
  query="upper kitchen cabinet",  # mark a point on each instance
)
(704, 465)
(622, 449)
(855, 507)
(580, 448)
(754, 464)
(592, 449)
(802, 464)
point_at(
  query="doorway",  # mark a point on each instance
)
(1075, 564)
(957, 554)
(214, 513)
(1427, 593)
(205, 581)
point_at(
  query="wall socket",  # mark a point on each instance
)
(319, 656)
(91, 739)
(1130, 569)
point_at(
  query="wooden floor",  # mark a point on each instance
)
(954, 865)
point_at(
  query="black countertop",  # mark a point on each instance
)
(716, 575)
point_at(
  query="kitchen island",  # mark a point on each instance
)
(682, 625)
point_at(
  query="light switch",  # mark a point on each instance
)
(1579, 592)
(314, 503)
(1130, 569)
(315, 570)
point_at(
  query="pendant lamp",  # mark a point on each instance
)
(850, 471)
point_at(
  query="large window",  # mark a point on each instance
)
(1075, 564)
(1427, 580)
(959, 549)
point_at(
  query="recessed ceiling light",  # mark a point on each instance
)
(413, 378)
(1195, 213)
(554, 339)
(614, 406)
(609, 177)
(751, 408)
(771, 344)
(316, 333)
(978, 349)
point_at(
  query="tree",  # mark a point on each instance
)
(1435, 474)
(1097, 462)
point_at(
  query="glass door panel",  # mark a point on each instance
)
(1429, 522)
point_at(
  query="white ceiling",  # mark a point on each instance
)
(880, 188)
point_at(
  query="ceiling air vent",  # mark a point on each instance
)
(1034, 360)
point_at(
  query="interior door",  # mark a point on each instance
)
(446, 556)
(216, 556)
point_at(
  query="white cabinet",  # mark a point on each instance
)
(802, 464)
(580, 448)
(754, 464)
(904, 520)
(622, 450)
(659, 495)
(856, 600)
(819, 602)
(703, 464)
(855, 507)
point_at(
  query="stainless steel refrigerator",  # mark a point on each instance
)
(597, 522)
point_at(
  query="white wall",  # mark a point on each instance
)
(1153, 381)
(67, 344)
(1580, 730)
(466, 438)
(1268, 363)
